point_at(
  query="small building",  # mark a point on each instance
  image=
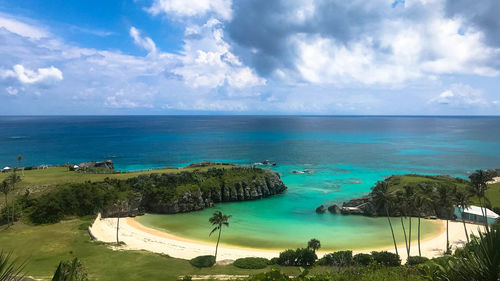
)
(6, 169)
(475, 214)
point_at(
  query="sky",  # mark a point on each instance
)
(312, 57)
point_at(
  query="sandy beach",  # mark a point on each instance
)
(139, 237)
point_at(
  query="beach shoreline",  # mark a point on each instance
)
(139, 237)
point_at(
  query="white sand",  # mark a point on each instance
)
(139, 237)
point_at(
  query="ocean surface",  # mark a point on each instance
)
(345, 157)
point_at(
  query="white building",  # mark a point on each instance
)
(6, 169)
(475, 214)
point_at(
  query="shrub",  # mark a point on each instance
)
(273, 261)
(340, 258)
(299, 257)
(251, 263)
(416, 260)
(363, 259)
(203, 261)
(386, 258)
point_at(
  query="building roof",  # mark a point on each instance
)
(6, 168)
(475, 210)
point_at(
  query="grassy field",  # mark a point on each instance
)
(44, 246)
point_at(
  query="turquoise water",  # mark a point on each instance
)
(346, 156)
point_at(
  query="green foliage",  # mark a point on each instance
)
(340, 259)
(479, 261)
(70, 271)
(203, 261)
(299, 257)
(251, 263)
(363, 259)
(416, 260)
(314, 244)
(10, 270)
(386, 258)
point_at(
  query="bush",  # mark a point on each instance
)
(299, 257)
(363, 259)
(340, 258)
(386, 258)
(251, 263)
(416, 260)
(273, 261)
(203, 261)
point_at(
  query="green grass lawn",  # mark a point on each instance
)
(493, 194)
(44, 246)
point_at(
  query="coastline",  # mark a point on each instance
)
(139, 237)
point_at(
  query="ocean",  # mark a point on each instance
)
(344, 156)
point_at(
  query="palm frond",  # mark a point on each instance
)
(9, 269)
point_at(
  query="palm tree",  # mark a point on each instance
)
(19, 160)
(382, 199)
(462, 201)
(12, 179)
(314, 244)
(5, 189)
(444, 199)
(70, 271)
(478, 187)
(122, 207)
(402, 210)
(218, 220)
(9, 270)
(420, 203)
(409, 195)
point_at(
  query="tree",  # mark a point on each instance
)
(409, 196)
(218, 220)
(400, 198)
(462, 201)
(444, 199)
(12, 179)
(420, 202)
(122, 206)
(9, 269)
(383, 199)
(19, 160)
(70, 271)
(314, 244)
(478, 187)
(5, 189)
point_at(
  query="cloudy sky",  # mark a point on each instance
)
(414, 57)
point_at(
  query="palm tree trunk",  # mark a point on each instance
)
(409, 239)
(7, 211)
(117, 229)
(419, 251)
(404, 232)
(465, 227)
(217, 246)
(447, 238)
(484, 215)
(392, 231)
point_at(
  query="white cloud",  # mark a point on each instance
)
(144, 42)
(21, 28)
(196, 8)
(12, 91)
(28, 76)
(460, 96)
(208, 62)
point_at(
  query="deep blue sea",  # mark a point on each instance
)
(346, 156)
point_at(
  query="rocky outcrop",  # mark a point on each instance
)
(334, 209)
(262, 184)
(321, 209)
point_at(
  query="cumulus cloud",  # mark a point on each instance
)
(144, 42)
(358, 41)
(198, 8)
(460, 96)
(28, 76)
(208, 61)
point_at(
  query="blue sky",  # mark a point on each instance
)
(437, 57)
